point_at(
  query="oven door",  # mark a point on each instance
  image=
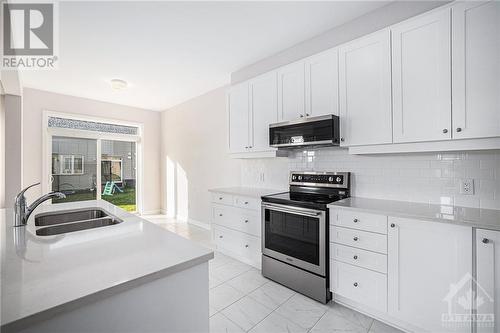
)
(295, 235)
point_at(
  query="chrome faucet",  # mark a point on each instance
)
(23, 211)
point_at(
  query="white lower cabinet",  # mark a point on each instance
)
(488, 281)
(236, 227)
(413, 274)
(429, 274)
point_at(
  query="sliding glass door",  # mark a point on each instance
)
(74, 168)
(118, 173)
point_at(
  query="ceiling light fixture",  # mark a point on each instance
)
(117, 84)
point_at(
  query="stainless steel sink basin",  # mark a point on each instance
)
(77, 226)
(68, 216)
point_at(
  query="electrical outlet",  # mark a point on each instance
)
(467, 186)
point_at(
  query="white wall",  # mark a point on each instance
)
(194, 155)
(36, 101)
(13, 147)
(2, 152)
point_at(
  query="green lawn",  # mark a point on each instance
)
(125, 200)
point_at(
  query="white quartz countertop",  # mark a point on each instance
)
(43, 275)
(473, 217)
(255, 192)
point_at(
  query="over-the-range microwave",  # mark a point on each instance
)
(310, 131)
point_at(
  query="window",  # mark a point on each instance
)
(67, 164)
(111, 170)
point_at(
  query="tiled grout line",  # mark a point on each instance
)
(270, 312)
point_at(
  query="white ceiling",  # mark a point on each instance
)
(170, 52)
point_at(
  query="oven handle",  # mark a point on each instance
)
(294, 210)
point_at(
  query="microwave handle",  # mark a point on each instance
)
(299, 211)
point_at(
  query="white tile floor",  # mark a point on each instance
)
(241, 300)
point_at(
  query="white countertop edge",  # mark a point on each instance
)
(22, 323)
(450, 219)
(254, 192)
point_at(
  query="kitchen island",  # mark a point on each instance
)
(130, 277)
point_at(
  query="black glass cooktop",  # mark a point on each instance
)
(319, 201)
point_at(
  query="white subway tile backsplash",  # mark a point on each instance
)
(423, 177)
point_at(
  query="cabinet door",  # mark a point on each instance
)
(291, 91)
(322, 84)
(264, 110)
(476, 69)
(421, 65)
(237, 101)
(365, 90)
(488, 278)
(426, 261)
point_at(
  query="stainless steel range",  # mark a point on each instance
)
(295, 232)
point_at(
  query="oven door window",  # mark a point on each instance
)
(296, 236)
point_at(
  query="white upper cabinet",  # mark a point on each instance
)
(425, 261)
(322, 84)
(365, 90)
(237, 104)
(291, 91)
(421, 65)
(263, 110)
(476, 69)
(488, 272)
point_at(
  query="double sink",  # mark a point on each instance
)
(64, 221)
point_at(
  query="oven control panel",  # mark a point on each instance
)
(322, 179)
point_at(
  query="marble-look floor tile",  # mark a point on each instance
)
(379, 327)
(275, 323)
(223, 296)
(246, 312)
(220, 324)
(229, 271)
(272, 294)
(211, 311)
(248, 281)
(303, 311)
(351, 315)
(333, 322)
(213, 281)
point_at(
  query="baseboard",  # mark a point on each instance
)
(152, 212)
(200, 224)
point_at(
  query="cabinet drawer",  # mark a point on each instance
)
(247, 202)
(237, 243)
(359, 220)
(358, 257)
(357, 238)
(225, 199)
(359, 284)
(244, 220)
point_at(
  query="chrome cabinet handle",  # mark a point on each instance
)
(246, 245)
(392, 225)
(220, 214)
(445, 130)
(485, 240)
(355, 238)
(342, 139)
(220, 236)
(355, 220)
(355, 284)
(301, 116)
(307, 114)
(355, 257)
(246, 202)
(246, 221)
(220, 198)
(459, 129)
